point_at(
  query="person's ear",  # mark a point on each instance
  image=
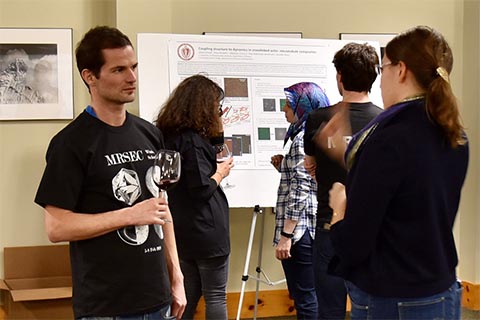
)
(402, 71)
(339, 77)
(340, 83)
(88, 77)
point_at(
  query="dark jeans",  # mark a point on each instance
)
(331, 291)
(299, 273)
(207, 277)
(162, 314)
(441, 306)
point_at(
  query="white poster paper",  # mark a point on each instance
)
(253, 71)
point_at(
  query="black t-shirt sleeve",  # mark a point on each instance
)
(63, 177)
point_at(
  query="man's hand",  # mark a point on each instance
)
(310, 165)
(179, 300)
(332, 137)
(150, 211)
(337, 201)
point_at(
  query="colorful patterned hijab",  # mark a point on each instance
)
(303, 98)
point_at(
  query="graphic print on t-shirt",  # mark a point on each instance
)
(134, 235)
(126, 188)
(152, 187)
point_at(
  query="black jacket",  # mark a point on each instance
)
(199, 207)
(403, 193)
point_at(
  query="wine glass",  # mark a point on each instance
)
(166, 170)
(223, 154)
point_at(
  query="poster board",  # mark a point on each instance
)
(253, 71)
(257, 34)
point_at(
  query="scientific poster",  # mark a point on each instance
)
(253, 71)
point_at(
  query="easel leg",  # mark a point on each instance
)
(256, 211)
(259, 270)
(259, 266)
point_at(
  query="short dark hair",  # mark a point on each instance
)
(356, 62)
(89, 50)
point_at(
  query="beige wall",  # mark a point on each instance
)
(469, 222)
(23, 144)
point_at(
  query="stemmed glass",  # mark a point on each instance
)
(166, 170)
(223, 154)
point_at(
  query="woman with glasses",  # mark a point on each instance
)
(190, 121)
(297, 200)
(392, 223)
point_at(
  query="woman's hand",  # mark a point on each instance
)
(276, 160)
(337, 201)
(224, 167)
(282, 251)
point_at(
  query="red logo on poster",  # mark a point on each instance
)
(185, 51)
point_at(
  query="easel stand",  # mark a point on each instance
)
(245, 277)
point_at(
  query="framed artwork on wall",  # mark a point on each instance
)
(381, 38)
(36, 74)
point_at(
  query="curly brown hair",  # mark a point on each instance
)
(194, 104)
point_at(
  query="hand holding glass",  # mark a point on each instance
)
(224, 154)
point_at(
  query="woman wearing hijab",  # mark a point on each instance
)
(297, 201)
(392, 230)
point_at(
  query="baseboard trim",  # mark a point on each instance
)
(277, 303)
(271, 303)
(471, 296)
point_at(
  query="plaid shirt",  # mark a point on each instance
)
(297, 193)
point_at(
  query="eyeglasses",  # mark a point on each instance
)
(379, 68)
(220, 108)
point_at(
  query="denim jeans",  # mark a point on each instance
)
(331, 292)
(162, 314)
(299, 273)
(442, 306)
(207, 277)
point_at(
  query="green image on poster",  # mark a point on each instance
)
(263, 133)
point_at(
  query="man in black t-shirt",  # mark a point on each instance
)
(98, 194)
(356, 66)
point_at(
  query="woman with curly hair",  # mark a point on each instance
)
(190, 121)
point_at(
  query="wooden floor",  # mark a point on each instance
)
(466, 315)
(276, 304)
